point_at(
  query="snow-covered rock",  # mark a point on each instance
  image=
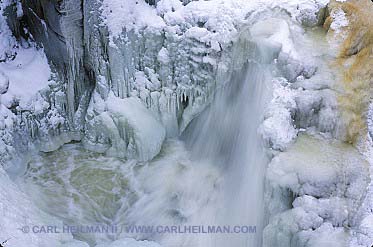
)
(328, 181)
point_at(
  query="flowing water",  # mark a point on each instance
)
(227, 136)
(212, 175)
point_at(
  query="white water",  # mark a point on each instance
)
(227, 136)
(216, 180)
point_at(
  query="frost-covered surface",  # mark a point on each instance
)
(328, 180)
(326, 183)
(26, 75)
(350, 31)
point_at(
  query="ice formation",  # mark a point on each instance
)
(123, 77)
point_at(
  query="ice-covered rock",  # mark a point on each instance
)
(325, 235)
(123, 128)
(328, 181)
(26, 74)
(350, 35)
(278, 129)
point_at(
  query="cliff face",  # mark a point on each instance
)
(354, 46)
(294, 199)
(354, 60)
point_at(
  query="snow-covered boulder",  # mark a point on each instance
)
(123, 128)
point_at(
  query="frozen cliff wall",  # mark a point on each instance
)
(173, 70)
(164, 56)
(297, 206)
(350, 29)
(30, 109)
(350, 33)
(172, 55)
(58, 27)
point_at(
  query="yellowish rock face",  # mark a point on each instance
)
(355, 62)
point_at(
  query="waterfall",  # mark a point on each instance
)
(226, 135)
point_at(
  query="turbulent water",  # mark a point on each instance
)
(213, 175)
(227, 136)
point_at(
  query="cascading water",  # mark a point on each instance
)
(227, 136)
(216, 180)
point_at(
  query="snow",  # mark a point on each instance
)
(339, 20)
(27, 74)
(222, 16)
(130, 14)
(23, 71)
(324, 236)
(278, 129)
(175, 56)
(163, 56)
(274, 31)
(334, 209)
(4, 83)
